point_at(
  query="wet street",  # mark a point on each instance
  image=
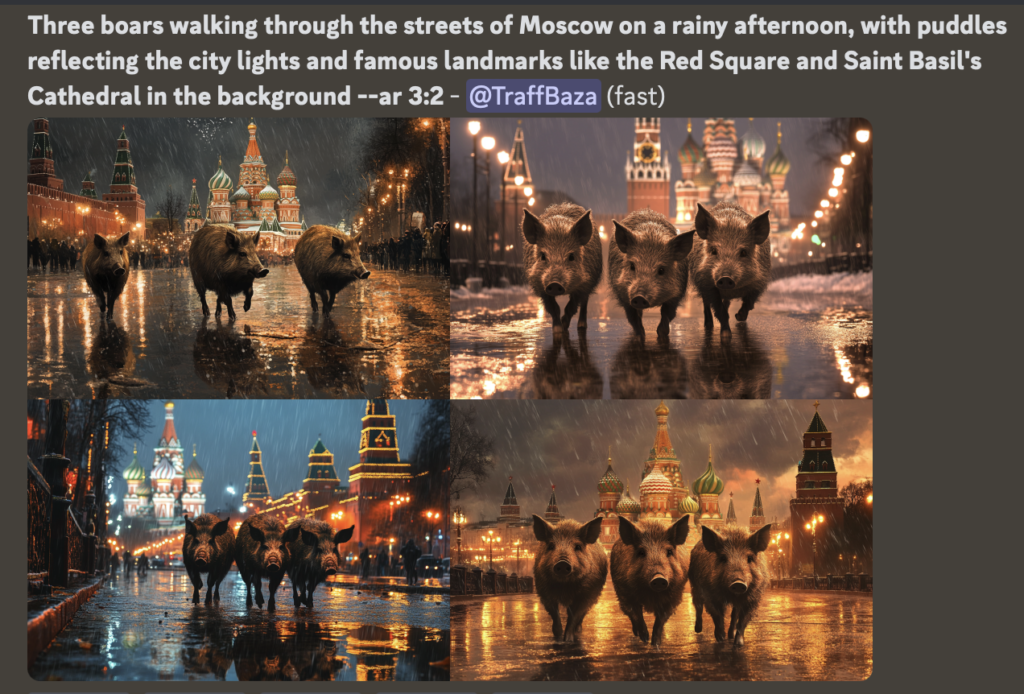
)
(799, 342)
(387, 337)
(148, 629)
(795, 636)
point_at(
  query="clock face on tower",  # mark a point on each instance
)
(647, 153)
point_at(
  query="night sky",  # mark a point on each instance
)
(324, 153)
(586, 157)
(286, 431)
(565, 443)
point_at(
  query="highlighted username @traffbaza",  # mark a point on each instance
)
(555, 96)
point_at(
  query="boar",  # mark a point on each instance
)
(569, 569)
(733, 260)
(261, 550)
(647, 267)
(224, 261)
(562, 256)
(314, 557)
(649, 572)
(328, 261)
(208, 547)
(729, 568)
(105, 264)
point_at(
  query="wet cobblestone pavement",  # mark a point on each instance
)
(792, 346)
(387, 336)
(795, 636)
(148, 629)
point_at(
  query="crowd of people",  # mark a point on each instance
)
(420, 251)
(58, 256)
(386, 563)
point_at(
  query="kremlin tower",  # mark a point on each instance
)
(707, 487)
(757, 514)
(256, 490)
(321, 477)
(648, 173)
(610, 490)
(517, 167)
(88, 186)
(730, 516)
(720, 153)
(817, 497)
(194, 214)
(510, 512)
(124, 193)
(691, 156)
(551, 514)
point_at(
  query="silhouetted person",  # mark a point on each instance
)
(410, 553)
(364, 561)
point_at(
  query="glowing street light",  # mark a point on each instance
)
(474, 127)
(503, 157)
(846, 159)
(863, 135)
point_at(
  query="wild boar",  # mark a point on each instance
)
(328, 261)
(261, 551)
(225, 262)
(314, 557)
(208, 547)
(105, 264)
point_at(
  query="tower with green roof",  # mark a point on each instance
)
(256, 489)
(708, 487)
(609, 489)
(40, 158)
(124, 191)
(88, 186)
(219, 209)
(321, 475)
(194, 214)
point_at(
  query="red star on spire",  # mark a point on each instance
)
(757, 481)
(730, 495)
(510, 478)
(193, 181)
(253, 432)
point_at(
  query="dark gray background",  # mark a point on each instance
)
(947, 185)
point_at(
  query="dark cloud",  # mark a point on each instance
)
(566, 444)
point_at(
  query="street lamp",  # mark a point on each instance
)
(474, 130)
(503, 158)
(490, 539)
(459, 521)
(488, 144)
(813, 526)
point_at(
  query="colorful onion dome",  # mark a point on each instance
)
(708, 483)
(268, 193)
(610, 483)
(287, 176)
(164, 470)
(689, 505)
(220, 180)
(144, 490)
(240, 194)
(194, 473)
(705, 178)
(753, 144)
(655, 483)
(661, 410)
(690, 152)
(721, 148)
(627, 504)
(134, 472)
(747, 176)
(778, 165)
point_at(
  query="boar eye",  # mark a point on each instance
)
(572, 257)
(661, 271)
(346, 256)
(641, 552)
(242, 254)
(743, 252)
(551, 546)
(579, 547)
(751, 558)
(632, 267)
(669, 552)
(713, 250)
(543, 255)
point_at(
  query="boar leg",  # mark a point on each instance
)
(741, 626)
(709, 322)
(310, 587)
(668, 313)
(274, 583)
(257, 585)
(636, 319)
(551, 306)
(734, 617)
(295, 593)
(658, 630)
(720, 307)
(197, 584)
(748, 303)
(101, 299)
(556, 618)
(325, 301)
(333, 296)
(312, 300)
(570, 624)
(581, 322)
(570, 311)
(111, 298)
(718, 617)
(248, 594)
(248, 300)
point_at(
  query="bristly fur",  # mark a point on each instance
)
(225, 262)
(322, 265)
(711, 574)
(547, 261)
(716, 253)
(222, 555)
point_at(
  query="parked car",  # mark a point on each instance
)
(157, 563)
(429, 567)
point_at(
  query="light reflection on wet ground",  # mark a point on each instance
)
(147, 629)
(387, 336)
(795, 636)
(792, 346)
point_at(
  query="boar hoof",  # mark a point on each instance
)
(742, 315)
(719, 635)
(663, 330)
(739, 640)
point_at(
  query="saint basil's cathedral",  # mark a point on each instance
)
(255, 206)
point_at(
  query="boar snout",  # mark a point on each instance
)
(659, 583)
(364, 275)
(563, 568)
(261, 273)
(738, 587)
(555, 289)
(725, 283)
(331, 572)
(640, 302)
(118, 271)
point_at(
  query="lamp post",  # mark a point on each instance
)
(490, 539)
(488, 144)
(459, 521)
(503, 160)
(813, 527)
(474, 130)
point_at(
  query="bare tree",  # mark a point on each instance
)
(172, 208)
(471, 461)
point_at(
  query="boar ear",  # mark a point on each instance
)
(590, 532)
(533, 228)
(291, 534)
(542, 529)
(759, 541)
(705, 222)
(220, 528)
(759, 227)
(681, 245)
(231, 240)
(623, 237)
(343, 536)
(256, 534)
(336, 243)
(628, 531)
(309, 538)
(356, 239)
(583, 229)
(190, 527)
(678, 531)
(256, 239)
(99, 241)
(712, 540)
(125, 239)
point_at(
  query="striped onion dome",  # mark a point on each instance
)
(194, 473)
(746, 176)
(753, 145)
(689, 505)
(690, 152)
(240, 194)
(268, 193)
(778, 165)
(164, 470)
(610, 483)
(134, 472)
(287, 176)
(144, 490)
(708, 483)
(220, 180)
(627, 504)
(721, 148)
(655, 483)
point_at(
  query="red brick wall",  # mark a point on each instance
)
(59, 209)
